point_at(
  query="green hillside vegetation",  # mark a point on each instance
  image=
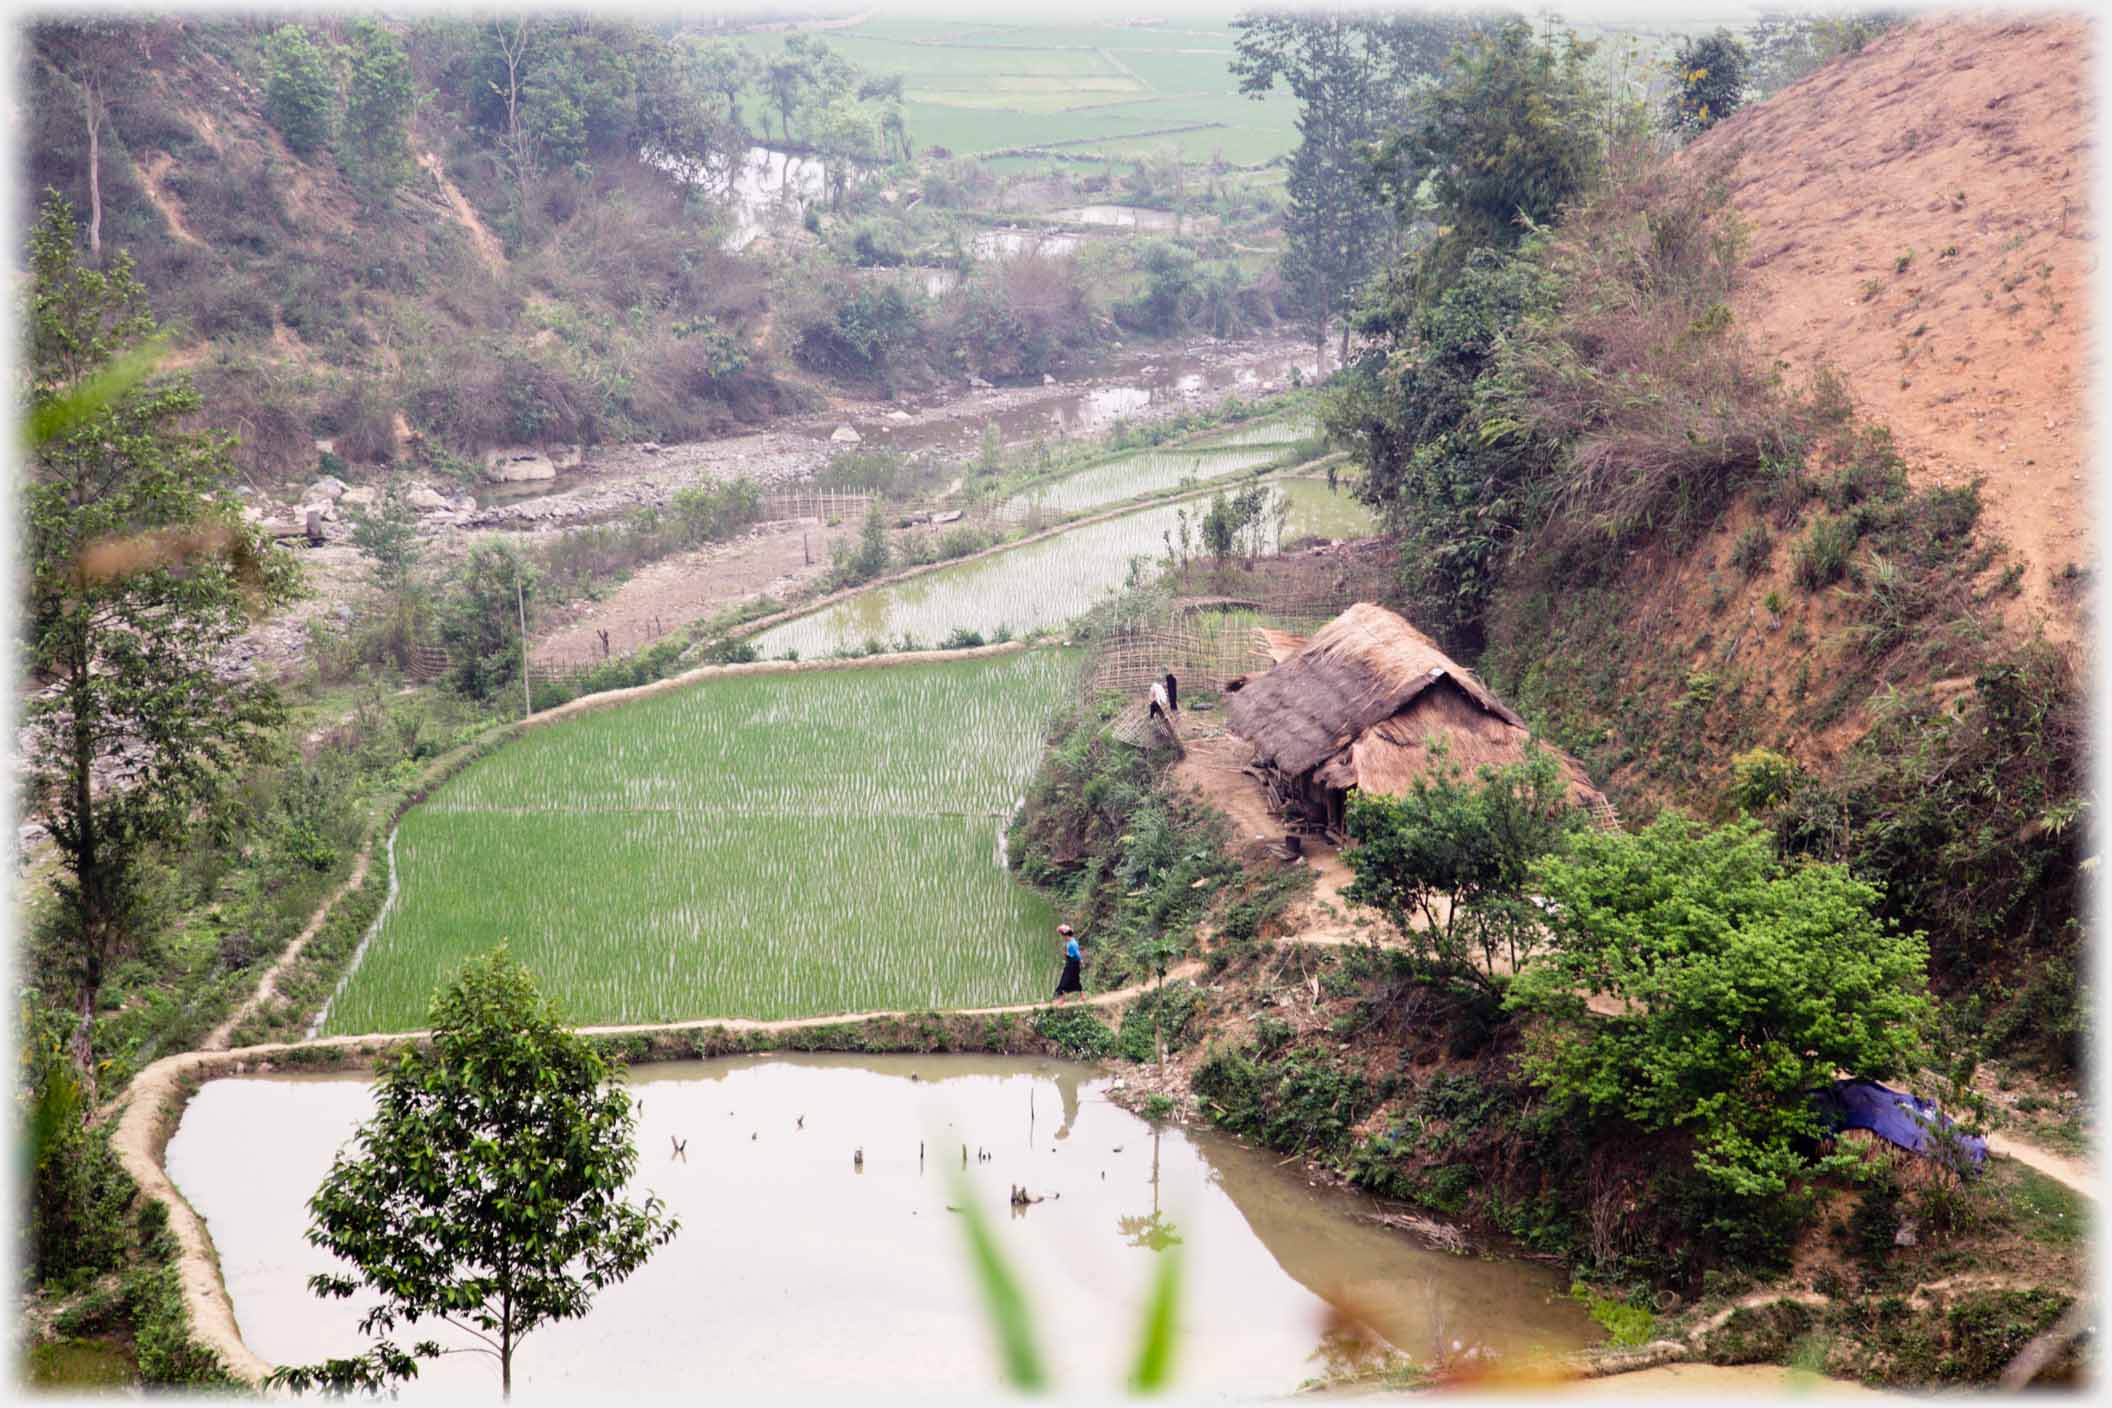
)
(394, 238)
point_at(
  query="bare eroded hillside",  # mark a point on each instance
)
(1919, 221)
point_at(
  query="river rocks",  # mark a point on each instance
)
(425, 500)
(328, 487)
(844, 435)
(514, 466)
(1047, 380)
(900, 417)
(361, 499)
(566, 457)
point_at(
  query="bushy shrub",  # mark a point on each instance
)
(300, 93)
(1746, 985)
(1822, 554)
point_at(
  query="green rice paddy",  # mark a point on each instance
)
(1133, 475)
(763, 846)
(1097, 89)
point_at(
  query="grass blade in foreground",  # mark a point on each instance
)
(1154, 1369)
(1001, 1294)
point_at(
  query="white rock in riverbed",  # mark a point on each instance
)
(844, 435)
(425, 500)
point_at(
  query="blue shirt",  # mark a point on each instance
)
(1070, 950)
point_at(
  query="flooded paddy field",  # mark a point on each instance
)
(794, 1270)
(1041, 584)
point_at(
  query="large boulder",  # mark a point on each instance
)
(844, 435)
(425, 500)
(517, 465)
(328, 487)
(363, 498)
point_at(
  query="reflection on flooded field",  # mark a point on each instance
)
(796, 1269)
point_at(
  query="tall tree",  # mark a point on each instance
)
(1708, 76)
(487, 1190)
(300, 93)
(1352, 75)
(1506, 138)
(379, 99)
(96, 54)
(140, 574)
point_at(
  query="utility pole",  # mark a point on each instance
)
(520, 603)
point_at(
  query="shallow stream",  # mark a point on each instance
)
(796, 1270)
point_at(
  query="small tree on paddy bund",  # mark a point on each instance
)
(487, 1190)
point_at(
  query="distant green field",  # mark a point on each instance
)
(1093, 88)
(761, 846)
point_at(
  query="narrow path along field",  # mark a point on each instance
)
(2076, 1175)
(268, 985)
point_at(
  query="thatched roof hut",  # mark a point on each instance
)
(1361, 703)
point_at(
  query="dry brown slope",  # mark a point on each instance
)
(1967, 142)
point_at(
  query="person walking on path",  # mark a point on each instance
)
(1069, 981)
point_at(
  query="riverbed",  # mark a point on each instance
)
(796, 1269)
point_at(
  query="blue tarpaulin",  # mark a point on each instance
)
(1910, 1122)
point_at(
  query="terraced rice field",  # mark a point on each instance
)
(1040, 585)
(1320, 512)
(1282, 432)
(1100, 89)
(1133, 475)
(762, 846)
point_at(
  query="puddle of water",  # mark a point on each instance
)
(793, 1270)
(1125, 217)
(770, 189)
(1008, 244)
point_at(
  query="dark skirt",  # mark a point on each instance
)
(1069, 981)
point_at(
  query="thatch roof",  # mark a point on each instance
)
(1279, 646)
(1361, 704)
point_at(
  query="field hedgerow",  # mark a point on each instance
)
(768, 846)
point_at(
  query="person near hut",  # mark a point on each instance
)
(1166, 699)
(1069, 982)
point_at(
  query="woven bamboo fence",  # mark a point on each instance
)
(843, 508)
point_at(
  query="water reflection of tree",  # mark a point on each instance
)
(1153, 1232)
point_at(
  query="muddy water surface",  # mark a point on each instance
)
(1042, 584)
(796, 1270)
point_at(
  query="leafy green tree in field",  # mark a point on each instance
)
(487, 1192)
(388, 539)
(1450, 864)
(480, 618)
(1508, 135)
(1351, 75)
(379, 100)
(1746, 984)
(139, 575)
(1708, 75)
(300, 92)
